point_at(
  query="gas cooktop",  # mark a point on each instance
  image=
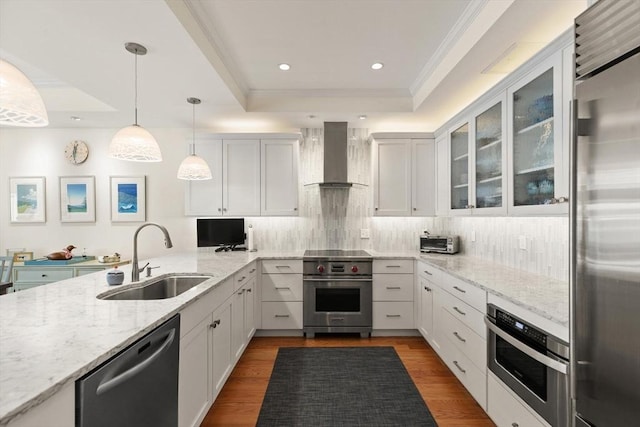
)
(335, 253)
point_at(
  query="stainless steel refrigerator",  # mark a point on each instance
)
(605, 216)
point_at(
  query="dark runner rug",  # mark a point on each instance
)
(355, 386)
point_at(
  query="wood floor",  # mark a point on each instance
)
(238, 404)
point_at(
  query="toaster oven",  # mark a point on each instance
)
(439, 244)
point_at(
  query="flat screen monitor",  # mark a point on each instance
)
(220, 232)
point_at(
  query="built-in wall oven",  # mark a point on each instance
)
(337, 293)
(531, 362)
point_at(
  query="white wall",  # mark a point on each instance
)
(40, 152)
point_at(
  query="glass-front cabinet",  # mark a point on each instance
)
(490, 158)
(459, 152)
(536, 130)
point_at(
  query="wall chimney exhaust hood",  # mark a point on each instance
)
(335, 163)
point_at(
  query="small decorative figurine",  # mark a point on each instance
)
(63, 254)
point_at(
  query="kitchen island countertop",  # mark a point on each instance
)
(53, 334)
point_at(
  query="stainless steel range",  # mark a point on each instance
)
(337, 292)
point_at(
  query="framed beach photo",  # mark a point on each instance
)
(77, 199)
(27, 199)
(128, 198)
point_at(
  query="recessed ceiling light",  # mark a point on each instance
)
(362, 117)
(284, 67)
(377, 66)
(75, 118)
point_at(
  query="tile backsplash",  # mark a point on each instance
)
(333, 218)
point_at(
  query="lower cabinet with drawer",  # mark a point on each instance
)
(281, 289)
(29, 276)
(458, 332)
(392, 292)
(506, 410)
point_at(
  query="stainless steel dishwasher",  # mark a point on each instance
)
(136, 387)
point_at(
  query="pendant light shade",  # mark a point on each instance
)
(194, 168)
(20, 102)
(134, 142)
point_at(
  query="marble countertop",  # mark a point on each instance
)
(53, 334)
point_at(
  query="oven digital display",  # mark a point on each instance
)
(519, 325)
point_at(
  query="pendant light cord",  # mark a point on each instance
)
(193, 139)
(135, 90)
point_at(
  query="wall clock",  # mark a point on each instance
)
(76, 152)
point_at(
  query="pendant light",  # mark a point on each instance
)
(20, 102)
(134, 142)
(194, 168)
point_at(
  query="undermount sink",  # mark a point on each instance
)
(160, 288)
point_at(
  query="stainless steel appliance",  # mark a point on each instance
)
(605, 216)
(439, 244)
(530, 362)
(337, 294)
(136, 387)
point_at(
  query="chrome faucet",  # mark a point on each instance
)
(135, 271)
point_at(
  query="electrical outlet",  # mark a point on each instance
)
(522, 242)
(364, 233)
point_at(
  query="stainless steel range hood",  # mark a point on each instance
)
(335, 156)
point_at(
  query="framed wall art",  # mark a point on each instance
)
(128, 198)
(77, 199)
(27, 199)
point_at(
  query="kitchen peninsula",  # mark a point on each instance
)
(58, 332)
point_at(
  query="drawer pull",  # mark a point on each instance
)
(215, 324)
(44, 275)
(252, 270)
(282, 266)
(393, 287)
(241, 291)
(459, 311)
(280, 288)
(455, 362)
(249, 290)
(393, 315)
(428, 273)
(428, 289)
(281, 315)
(459, 289)
(515, 425)
(394, 266)
(242, 278)
(459, 337)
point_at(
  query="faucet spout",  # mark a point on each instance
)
(135, 271)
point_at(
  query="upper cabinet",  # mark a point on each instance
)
(403, 176)
(508, 153)
(279, 177)
(251, 177)
(538, 168)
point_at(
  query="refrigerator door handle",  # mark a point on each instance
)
(545, 360)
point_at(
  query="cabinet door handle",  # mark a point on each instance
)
(459, 289)
(281, 315)
(219, 209)
(459, 337)
(428, 289)
(241, 279)
(376, 208)
(249, 290)
(415, 209)
(241, 291)
(295, 209)
(224, 209)
(393, 315)
(393, 287)
(515, 425)
(44, 275)
(427, 272)
(455, 362)
(459, 311)
(215, 324)
(252, 270)
(280, 288)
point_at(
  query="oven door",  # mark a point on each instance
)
(539, 379)
(335, 302)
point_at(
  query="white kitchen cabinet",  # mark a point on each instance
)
(279, 168)
(205, 353)
(56, 411)
(235, 187)
(507, 410)
(478, 157)
(538, 162)
(243, 309)
(442, 175)
(393, 297)
(403, 176)
(425, 293)
(281, 305)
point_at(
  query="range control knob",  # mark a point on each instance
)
(354, 269)
(320, 268)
